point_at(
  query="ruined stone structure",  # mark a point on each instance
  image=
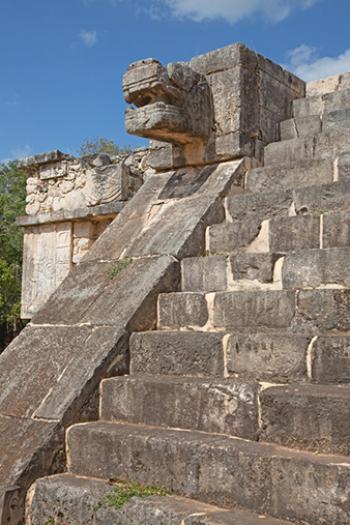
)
(70, 202)
(201, 344)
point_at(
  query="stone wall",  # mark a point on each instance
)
(70, 202)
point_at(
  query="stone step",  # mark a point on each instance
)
(249, 218)
(321, 104)
(303, 311)
(313, 417)
(222, 406)
(221, 470)
(269, 357)
(316, 225)
(323, 146)
(260, 356)
(329, 267)
(173, 353)
(312, 125)
(221, 272)
(301, 175)
(75, 500)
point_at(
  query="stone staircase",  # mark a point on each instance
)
(239, 402)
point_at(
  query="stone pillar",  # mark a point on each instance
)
(70, 201)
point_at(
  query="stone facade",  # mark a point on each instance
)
(70, 202)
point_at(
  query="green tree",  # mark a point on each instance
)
(12, 204)
(102, 145)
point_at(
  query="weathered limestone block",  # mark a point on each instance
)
(226, 406)
(198, 354)
(267, 357)
(204, 274)
(253, 266)
(70, 499)
(331, 360)
(311, 417)
(258, 310)
(322, 311)
(176, 310)
(301, 127)
(322, 199)
(327, 145)
(267, 479)
(317, 268)
(294, 233)
(336, 229)
(283, 178)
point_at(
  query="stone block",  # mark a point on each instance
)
(283, 178)
(176, 310)
(252, 310)
(339, 119)
(225, 406)
(71, 499)
(253, 266)
(204, 274)
(336, 101)
(198, 354)
(11, 504)
(267, 479)
(294, 233)
(322, 311)
(303, 126)
(327, 145)
(267, 357)
(309, 106)
(336, 229)
(316, 268)
(331, 360)
(312, 417)
(322, 199)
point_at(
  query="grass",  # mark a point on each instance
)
(124, 491)
(118, 267)
(50, 521)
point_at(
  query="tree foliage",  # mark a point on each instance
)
(12, 204)
(101, 145)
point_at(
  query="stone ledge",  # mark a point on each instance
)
(103, 210)
(44, 158)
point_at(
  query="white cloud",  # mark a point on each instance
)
(89, 38)
(305, 62)
(234, 10)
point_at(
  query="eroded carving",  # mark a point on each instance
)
(173, 103)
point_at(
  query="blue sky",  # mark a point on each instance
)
(62, 61)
